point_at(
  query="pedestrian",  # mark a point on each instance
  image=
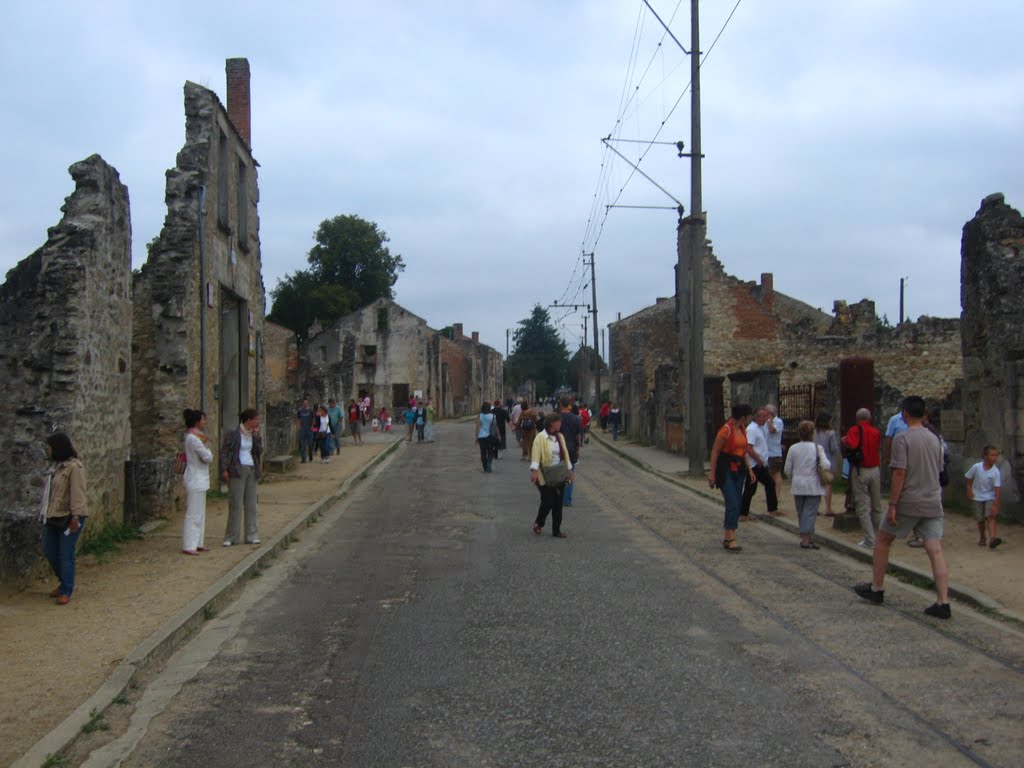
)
(773, 429)
(431, 417)
(527, 426)
(384, 418)
(803, 461)
(572, 431)
(549, 454)
(355, 422)
(364, 408)
(484, 439)
(196, 481)
(825, 437)
(63, 512)
(584, 415)
(336, 417)
(915, 504)
(501, 420)
(757, 461)
(729, 470)
(323, 435)
(606, 409)
(305, 417)
(984, 488)
(862, 444)
(614, 420)
(514, 414)
(241, 456)
(410, 421)
(421, 421)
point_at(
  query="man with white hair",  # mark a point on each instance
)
(862, 445)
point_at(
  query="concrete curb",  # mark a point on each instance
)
(176, 631)
(965, 595)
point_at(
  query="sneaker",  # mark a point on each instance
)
(995, 543)
(939, 610)
(866, 544)
(915, 542)
(254, 541)
(872, 596)
(228, 542)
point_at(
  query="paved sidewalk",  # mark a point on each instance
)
(991, 579)
(141, 603)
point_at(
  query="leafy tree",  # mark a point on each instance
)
(538, 352)
(350, 266)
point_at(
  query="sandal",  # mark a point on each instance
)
(730, 545)
(537, 529)
(809, 545)
(560, 535)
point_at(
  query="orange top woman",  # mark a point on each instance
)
(729, 470)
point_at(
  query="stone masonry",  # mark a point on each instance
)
(991, 276)
(65, 352)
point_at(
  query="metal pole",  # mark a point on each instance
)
(901, 299)
(597, 347)
(696, 448)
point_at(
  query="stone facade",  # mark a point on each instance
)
(991, 276)
(65, 352)
(750, 327)
(389, 353)
(281, 361)
(199, 299)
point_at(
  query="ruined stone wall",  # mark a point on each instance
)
(65, 352)
(281, 359)
(200, 267)
(991, 274)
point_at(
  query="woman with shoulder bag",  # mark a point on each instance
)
(550, 470)
(808, 470)
(63, 512)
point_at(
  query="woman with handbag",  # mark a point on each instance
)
(196, 481)
(809, 472)
(63, 512)
(550, 470)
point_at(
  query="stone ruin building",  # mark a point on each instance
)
(113, 358)
(386, 351)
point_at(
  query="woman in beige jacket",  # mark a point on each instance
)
(64, 512)
(549, 450)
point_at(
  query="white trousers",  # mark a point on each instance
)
(195, 519)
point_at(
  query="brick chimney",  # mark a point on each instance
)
(457, 327)
(238, 98)
(767, 289)
(476, 337)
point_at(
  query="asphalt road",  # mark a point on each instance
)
(421, 623)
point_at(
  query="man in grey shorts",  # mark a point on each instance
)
(915, 504)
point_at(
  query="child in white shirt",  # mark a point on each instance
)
(984, 486)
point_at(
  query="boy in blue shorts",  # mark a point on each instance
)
(984, 486)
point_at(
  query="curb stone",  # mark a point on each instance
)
(965, 595)
(177, 630)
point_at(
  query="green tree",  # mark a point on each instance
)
(538, 353)
(350, 266)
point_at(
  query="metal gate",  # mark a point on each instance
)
(800, 403)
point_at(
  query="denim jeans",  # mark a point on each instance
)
(306, 444)
(731, 485)
(60, 551)
(567, 492)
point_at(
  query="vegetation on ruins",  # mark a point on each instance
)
(538, 354)
(350, 266)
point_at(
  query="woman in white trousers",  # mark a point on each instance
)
(196, 481)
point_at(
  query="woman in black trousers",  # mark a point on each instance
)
(549, 450)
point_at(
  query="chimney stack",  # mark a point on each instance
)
(767, 289)
(239, 111)
(457, 328)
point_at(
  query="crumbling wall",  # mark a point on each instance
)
(281, 358)
(205, 265)
(991, 276)
(65, 353)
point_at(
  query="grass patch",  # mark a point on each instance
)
(215, 494)
(56, 761)
(106, 539)
(96, 723)
(208, 612)
(122, 699)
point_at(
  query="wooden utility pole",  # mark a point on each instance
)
(597, 347)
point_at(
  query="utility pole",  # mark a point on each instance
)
(597, 347)
(694, 230)
(903, 283)
(508, 331)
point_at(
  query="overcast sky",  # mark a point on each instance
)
(847, 142)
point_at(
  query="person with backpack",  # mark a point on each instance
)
(527, 426)
(862, 448)
(729, 470)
